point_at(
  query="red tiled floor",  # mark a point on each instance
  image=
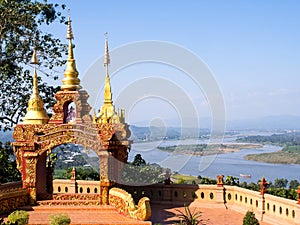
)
(212, 214)
(81, 215)
(163, 214)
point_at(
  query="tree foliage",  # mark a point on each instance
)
(64, 157)
(8, 168)
(286, 139)
(294, 184)
(21, 29)
(82, 173)
(231, 180)
(138, 160)
(207, 180)
(141, 173)
(67, 156)
(280, 183)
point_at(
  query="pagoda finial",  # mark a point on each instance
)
(69, 31)
(107, 113)
(34, 60)
(107, 87)
(70, 81)
(36, 113)
(106, 55)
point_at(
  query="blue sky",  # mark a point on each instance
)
(252, 49)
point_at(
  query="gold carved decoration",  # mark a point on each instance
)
(18, 154)
(124, 203)
(30, 172)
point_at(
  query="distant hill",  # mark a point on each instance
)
(282, 122)
(158, 133)
(173, 130)
(187, 122)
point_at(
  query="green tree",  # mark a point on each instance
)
(230, 180)
(207, 180)
(294, 184)
(250, 219)
(21, 24)
(8, 168)
(280, 183)
(138, 160)
(87, 173)
(141, 173)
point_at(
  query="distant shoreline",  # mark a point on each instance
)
(210, 149)
(288, 155)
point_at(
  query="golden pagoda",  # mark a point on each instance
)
(71, 92)
(70, 80)
(107, 113)
(36, 113)
(107, 134)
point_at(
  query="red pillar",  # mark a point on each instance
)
(220, 181)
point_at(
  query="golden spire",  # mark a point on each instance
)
(107, 87)
(70, 81)
(107, 113)
(35, 61)
(36, 113)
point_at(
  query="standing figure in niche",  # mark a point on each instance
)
(71, 115)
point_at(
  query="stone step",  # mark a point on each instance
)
(81, 215)
(66, 208)
(69, 203)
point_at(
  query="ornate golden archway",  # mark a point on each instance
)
(106, 133)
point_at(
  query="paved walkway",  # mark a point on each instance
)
(163, 214)
(211, 214)
(84, 215)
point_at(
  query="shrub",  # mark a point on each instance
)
(190, 218)
(7, 223)
(59, 219)
(250, 219)
(19, 217)
(181, 181)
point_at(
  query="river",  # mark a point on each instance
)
(210, 166)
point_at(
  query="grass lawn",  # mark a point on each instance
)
(184, 179)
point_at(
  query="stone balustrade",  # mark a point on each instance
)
(269, 208)
(266, 207)
(281, 210)
(80, 186)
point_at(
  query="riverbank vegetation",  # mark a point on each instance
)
(290, 154)
(207, 149)
(285, 139)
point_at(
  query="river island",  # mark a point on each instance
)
(208, 149)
